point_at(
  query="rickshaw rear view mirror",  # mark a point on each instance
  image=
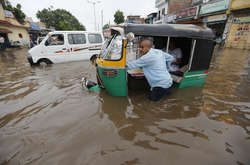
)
(130, 36)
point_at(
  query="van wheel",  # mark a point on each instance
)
(44, 62)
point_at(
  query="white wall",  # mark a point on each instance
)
(160, 7)
(14, 36)
(2, 15)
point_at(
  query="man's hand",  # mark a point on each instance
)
(175, 63)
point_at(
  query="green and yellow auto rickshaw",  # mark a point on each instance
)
(196, 43)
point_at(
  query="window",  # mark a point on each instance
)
(163, 11)
(55, 39)
(77, 39)
(20, 35)
(115, 49)
(95, 38)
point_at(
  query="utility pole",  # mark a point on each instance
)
(102, 19)
(94, 2)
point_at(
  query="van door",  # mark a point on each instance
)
(95, 43)
(56, 48)
(78, 46)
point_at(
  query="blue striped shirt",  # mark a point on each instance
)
(154, 65)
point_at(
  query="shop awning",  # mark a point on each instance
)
(5, 31)
(34, 26)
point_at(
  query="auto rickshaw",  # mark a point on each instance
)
(196, 43)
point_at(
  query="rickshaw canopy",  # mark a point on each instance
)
(169, 30)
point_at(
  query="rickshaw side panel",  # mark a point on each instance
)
(114, 81)
(197, 78)
(200, 63)
(203, 53)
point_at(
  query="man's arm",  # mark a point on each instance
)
(169, 58)
(139, 63)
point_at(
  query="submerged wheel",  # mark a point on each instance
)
(44, 62)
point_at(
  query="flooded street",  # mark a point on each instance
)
(47, 118)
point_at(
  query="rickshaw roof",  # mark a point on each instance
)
(171, 30)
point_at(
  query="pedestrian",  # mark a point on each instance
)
(153, 64)
(31, 43)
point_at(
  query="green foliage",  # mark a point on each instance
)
(119, 17)
(17, 11)
(60, 19)
(106, 26)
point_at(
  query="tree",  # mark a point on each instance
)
(119, 17)
(19, 14)
(106, 26)
(60, 19)
(17, 11)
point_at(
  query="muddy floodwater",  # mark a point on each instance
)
(46, 117)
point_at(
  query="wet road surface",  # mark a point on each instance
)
(47, 118)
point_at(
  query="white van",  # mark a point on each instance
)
(64, 46)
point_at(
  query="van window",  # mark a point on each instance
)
(95, 38)
(55, 39)
(77, 39)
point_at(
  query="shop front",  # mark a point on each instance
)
(214, 16)
(239, 34)
(150, 18)
(4, 40)
(216, 23)
(170, 18)
(238, 25)
(34, 31)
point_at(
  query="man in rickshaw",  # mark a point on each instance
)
(177, 54)
(153, 64)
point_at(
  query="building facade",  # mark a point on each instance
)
(177, 5)
(4, 31)
(135, 19)
(229, 19)
(237, 31)
(151, 18)
(171, 11)
(12, 30)
(162, 10)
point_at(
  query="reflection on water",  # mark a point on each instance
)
(47, 118)
(227, 91)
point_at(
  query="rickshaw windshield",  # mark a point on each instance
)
(112, 49)
(105, 46)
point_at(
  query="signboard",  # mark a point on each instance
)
(216, 6)
(215, 18)
(187, 13)
(134, 22)
(169, 18)
(241, 19)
